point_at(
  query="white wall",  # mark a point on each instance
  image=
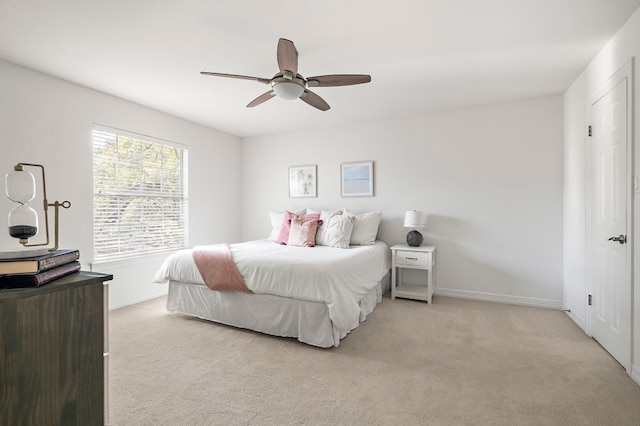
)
(489, 178)
(624, 46)
(48, 121)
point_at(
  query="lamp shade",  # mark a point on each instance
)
(415, 219)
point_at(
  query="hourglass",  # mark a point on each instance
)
(20, 187)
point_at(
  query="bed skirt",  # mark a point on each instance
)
(308, 322)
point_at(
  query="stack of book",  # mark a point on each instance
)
(38, 270)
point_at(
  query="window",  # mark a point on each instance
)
(140, 199)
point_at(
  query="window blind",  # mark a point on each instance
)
(140, 197)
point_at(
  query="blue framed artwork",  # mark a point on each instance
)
(357, 179)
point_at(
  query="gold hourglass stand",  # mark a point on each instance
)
(23, 220)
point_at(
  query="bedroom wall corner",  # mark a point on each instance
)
(574, 205)
(618, 51)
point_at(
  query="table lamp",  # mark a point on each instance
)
(414, 219)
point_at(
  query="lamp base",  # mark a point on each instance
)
(414, 239)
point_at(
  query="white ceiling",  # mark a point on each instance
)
(422, 55)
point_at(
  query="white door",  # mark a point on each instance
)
(609, 272)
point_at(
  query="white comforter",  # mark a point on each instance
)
(337, 277)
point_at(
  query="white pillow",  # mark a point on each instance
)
(276, 219)
(338, 232)
(365, 227)
(322, 233)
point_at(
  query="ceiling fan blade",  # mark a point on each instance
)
(314, 100)
(287, 56)
(242, 77)
(337, 80)
(262, 98)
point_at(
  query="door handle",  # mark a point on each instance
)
(621, 239)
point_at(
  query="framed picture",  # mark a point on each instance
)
(357, 179)
(302, 181)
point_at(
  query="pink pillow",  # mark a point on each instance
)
(283, 237)
(303, 233)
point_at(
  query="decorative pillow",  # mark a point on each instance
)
(365, 227)
(321, 235)
(276, 219)
(283, 236)
(303, 233)
(338, 232)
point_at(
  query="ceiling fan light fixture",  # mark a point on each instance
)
(288, 84)
(288, 90)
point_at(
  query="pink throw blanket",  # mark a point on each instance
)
(219, 272)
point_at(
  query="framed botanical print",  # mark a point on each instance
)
(303, 181)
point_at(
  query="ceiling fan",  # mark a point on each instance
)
(288, 84)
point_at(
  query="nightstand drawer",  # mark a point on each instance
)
(414, 259)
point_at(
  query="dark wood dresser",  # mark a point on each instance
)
(54, 352)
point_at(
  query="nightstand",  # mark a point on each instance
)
(407, 257)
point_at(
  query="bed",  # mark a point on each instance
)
(315, 294)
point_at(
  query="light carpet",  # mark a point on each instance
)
(456, 362)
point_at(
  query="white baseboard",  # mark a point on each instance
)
(133, 301)
(500, 298)
(579, 322)
(635, 374)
